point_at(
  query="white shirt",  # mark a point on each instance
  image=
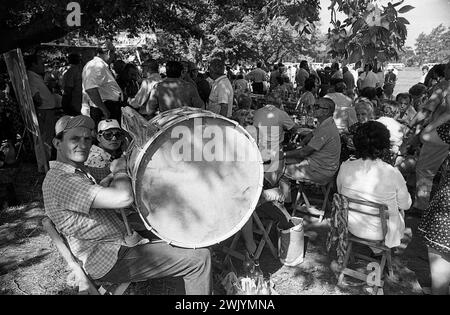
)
(142, 96)
(396, 130)
(37, 84)
(379, 182)
(344, 113)
(369, 79)
(96, 74)
(221, 92)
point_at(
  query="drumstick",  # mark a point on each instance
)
(125, 220)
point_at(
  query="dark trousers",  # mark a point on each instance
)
(258, 87)
(160, 260)
(114, 108)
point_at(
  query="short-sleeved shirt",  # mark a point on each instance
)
(307, 100)
(173, 93)
(301, 76)
(344, 114)
(271, 123)
(257, 75)
(337, 75)
(368, 79)
(37, 84)
(390, 78)
(94, 235)
(349, 80)
(142, 96)
(326, 143)
(221, 93)
(96, 74)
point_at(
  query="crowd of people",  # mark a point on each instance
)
(359, 135)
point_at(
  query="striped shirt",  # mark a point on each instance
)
(94, 235)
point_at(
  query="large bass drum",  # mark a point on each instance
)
(197, 176)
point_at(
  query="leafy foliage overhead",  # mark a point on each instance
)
(264, 30)
(368, 32)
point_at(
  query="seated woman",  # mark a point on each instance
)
(365, 179)
(364, 112)
(110, 141)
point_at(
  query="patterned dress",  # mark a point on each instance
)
(435, 224)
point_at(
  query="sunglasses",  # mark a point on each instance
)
(108, 135)
(317, 106)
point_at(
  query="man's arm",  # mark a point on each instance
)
(223, 109)
(120, 193)
(94, 95)
(298, 155)
(141, 96)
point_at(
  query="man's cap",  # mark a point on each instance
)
(69, 122)
(108, 124)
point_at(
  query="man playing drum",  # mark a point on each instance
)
(80, 201)
(318, 160)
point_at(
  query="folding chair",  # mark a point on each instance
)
(86, 286)
(375, 210)
(309, 210)
(262, 230)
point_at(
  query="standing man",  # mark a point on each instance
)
(301, 76)
(221, 96)
(424, 74)
(173, 92)
(257, 76)
(151, 76)
(390, 78)
(81, 201)
(45, 105)
(367, 78)
(435, 112)
(349, 81)
(344, 114)
(72, 87)
(336, 74)
(101, 86)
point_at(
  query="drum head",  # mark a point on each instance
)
(198, 180)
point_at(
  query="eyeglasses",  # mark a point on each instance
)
(108, 135)
(317, 106)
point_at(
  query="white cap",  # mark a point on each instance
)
(108, 124)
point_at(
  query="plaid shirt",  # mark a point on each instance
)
(94, 235)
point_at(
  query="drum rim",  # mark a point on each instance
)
(195, 114)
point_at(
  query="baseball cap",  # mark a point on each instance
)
(69, 122)
(108, 124)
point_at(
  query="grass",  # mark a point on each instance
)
(31, 265)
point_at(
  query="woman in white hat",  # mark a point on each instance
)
(110, 139)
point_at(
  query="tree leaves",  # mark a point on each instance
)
(402, 20)
(405, 9)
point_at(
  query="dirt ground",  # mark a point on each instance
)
(31, 265)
